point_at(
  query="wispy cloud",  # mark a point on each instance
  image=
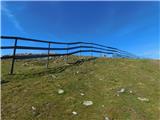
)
(12, 17)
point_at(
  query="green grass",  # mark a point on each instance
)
(100, 79)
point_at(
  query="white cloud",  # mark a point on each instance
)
(12, 18)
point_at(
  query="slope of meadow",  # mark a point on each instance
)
(113, 85)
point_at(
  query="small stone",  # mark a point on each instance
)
(130, 91)
(87, 103)
(106, 118)
(33, 108)
(82, 94)
(60, 91)
(102, 105)
(122, 90)
(74, 113)
(143, 99)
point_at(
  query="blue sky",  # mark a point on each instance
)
(130, 26)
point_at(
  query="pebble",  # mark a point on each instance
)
(33, 108)
(130, 91)
(121, 91)
(87, 103)
(74, 113)
(82, 94)
(143, 99)
(34, 111)
(106, 118)
(118, 95)
(60, 91)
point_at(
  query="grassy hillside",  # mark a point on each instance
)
(113, 85)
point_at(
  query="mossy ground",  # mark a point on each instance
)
(99, 79)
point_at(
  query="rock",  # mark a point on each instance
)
(74, 113)
(143, 99)
(130, 91)
(122, 90)
(87, 103)
(33, 108)
(60, 91)
(102, 105)
(82, 94)
(106, 118)
(34, 111)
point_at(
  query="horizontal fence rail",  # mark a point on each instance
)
(68, 48)
(79, 47)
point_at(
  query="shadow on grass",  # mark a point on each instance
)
(54, 70)
(81, 61)
(4, 82)
(60, 69)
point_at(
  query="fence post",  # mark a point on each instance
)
(80, 50)
(49, 44)
(13, 59)
(91, 51)
(67, 51)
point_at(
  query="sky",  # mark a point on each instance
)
(130, 26)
